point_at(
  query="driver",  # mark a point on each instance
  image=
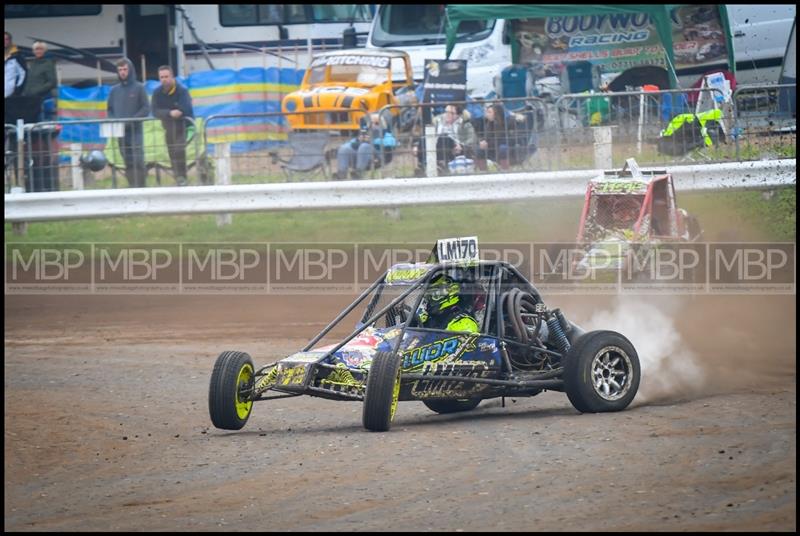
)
(625, 214)
(441, 307)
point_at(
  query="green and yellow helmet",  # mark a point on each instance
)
(443, 293)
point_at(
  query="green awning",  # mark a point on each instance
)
(660, 14)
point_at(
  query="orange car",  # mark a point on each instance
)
(339, 87)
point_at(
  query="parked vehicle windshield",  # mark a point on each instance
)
(403, 24)
(358, 69)
(355, 74)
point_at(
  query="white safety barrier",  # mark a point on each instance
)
(29, 207)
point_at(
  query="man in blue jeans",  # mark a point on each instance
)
(128, 99)
(359, 153)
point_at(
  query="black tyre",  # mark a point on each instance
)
(231, 387)
(601, 372)
(452, 406)
(383, 392)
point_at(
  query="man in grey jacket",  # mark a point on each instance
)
(128, 99)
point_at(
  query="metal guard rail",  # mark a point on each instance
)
(29, 207)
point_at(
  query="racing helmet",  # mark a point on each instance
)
(443, 293)
(94, 160)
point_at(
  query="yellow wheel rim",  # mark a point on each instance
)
(395, 395)
(245, 377)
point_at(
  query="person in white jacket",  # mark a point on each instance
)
(15, 68)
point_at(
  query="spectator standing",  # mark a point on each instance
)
(173, 105)
(41, 80)
(128, 99)
(16, 69)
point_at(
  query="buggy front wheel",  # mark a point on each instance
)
(383, 392)
(231, 390)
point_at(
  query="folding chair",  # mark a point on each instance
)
(308, 154)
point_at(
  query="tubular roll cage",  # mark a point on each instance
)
(539, 380)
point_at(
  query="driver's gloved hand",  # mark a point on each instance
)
(422, 313)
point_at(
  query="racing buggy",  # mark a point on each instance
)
(517, 346)
(631, 207)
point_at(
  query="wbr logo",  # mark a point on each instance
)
(48, 268)
(127, 268)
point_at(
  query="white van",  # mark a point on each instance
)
(419, 30)
(760, 34)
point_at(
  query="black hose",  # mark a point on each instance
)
(516, 302)
(529, 306)
(513, 315)
(523, 333)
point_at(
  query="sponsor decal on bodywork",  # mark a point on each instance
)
(620, 187)
(455, 387)
(406, 273)
(355, 91)
(371, 61)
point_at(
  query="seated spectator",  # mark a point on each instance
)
(455, 136)
(494, 139)
(522, 136)
(372, 148)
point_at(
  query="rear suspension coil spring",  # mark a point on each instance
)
(557, 335)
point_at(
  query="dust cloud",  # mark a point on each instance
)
(695, 346)
(670, 368)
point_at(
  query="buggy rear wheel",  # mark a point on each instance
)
(383, 392)
(601, 372)
(231, 389)
(452, 406)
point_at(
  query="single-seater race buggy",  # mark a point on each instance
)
(521, 348)
(628, 212)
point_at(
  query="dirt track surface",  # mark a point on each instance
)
(107, 428)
